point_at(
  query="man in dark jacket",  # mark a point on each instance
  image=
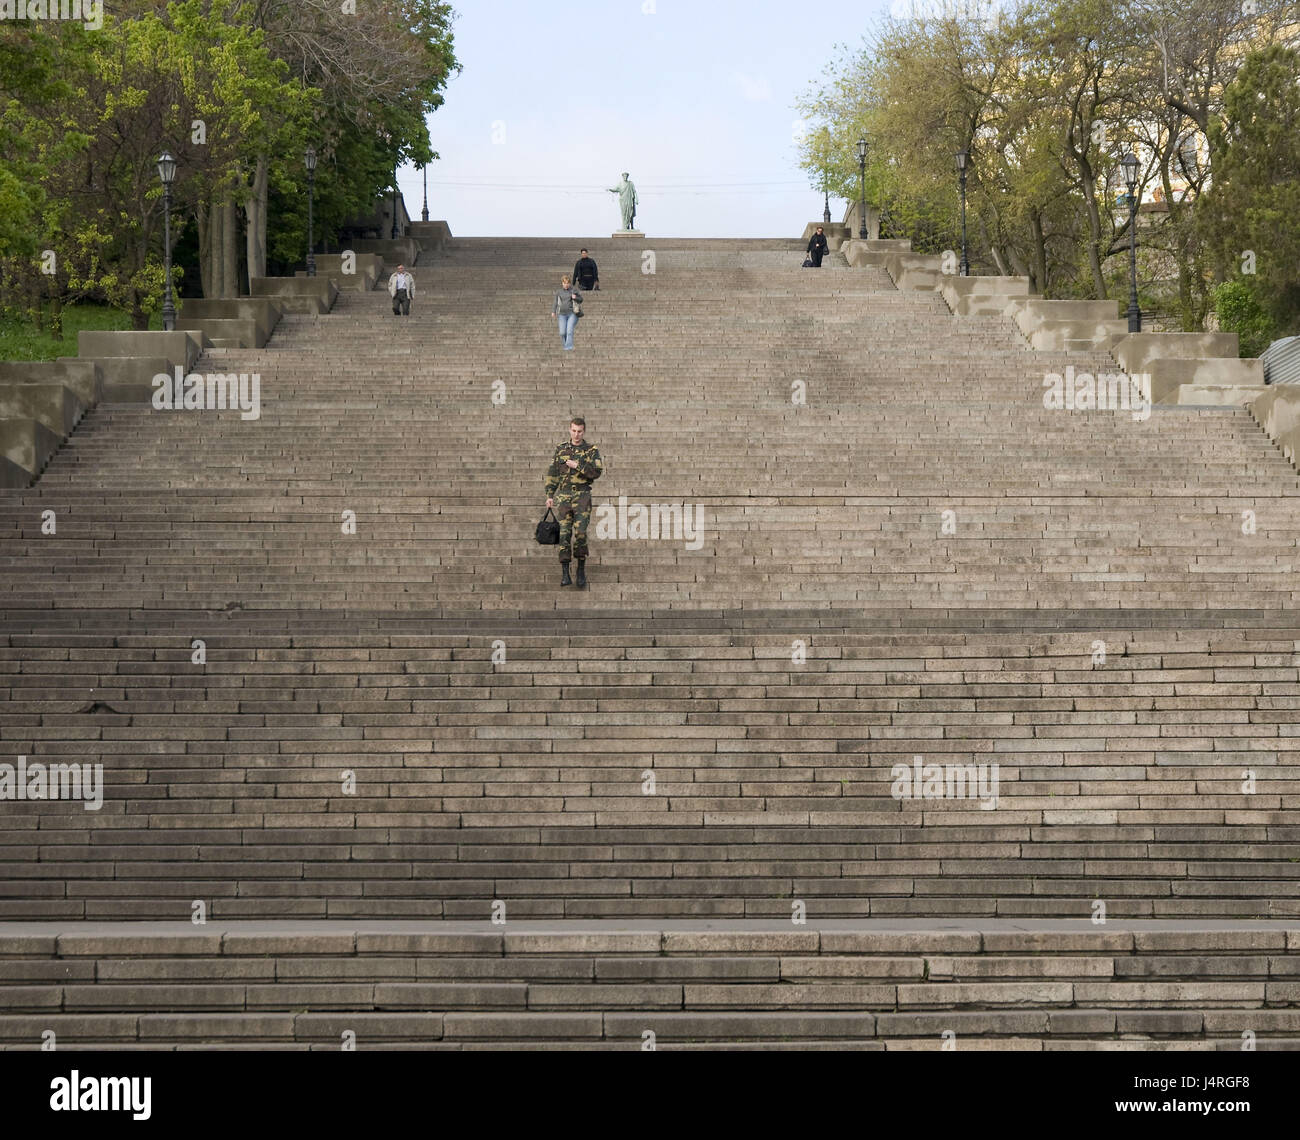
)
(818, 247)
(585, 273)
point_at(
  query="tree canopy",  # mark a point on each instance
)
(1047, 96)
(236, 92)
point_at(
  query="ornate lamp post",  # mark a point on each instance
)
(862, 195)
(424, 210)
(167, 172)
(963, 157)
(1130, 164)
(310, 160)
(395, 234)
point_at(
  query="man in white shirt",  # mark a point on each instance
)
(401, 287)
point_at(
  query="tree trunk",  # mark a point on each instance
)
(1038, 273)
(203, 215)
(255, 209)
(219, 248)
(229, 277)
(989, 244)
(1088, 184)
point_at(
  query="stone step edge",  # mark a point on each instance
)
(559, 928)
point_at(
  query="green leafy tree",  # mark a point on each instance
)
(1252, 210)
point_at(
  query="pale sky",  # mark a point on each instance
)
(694, 98)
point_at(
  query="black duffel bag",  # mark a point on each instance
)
(548, 530)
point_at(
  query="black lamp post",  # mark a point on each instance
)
(167, 172)
(424, 210)
(310, 159)
(1130, 164)
(963, 157)
(862, 195)
(395, 234)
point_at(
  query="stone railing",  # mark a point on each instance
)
(1185, 368)
(41, 403)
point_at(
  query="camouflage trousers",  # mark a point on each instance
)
(574, 515)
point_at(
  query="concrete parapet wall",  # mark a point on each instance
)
(858, 252)
(128, 379)
(1277, 411)
(835, 232)
(129, 360)
(265, 311)
(241, 332)
(47, 401)
(996, 286)
(83, 377)
(432, 236)
(1241, 395)
(1035, 312)
(914, 270)
(982, 296)
(368, 268)
(26, 445)
(297, 294)
(1076, 335)
(180, 347)
(394, 251)
(1137, 350)
(1168, 372)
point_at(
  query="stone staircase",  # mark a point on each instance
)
(337, 727)
(674, 985)
(675, 774)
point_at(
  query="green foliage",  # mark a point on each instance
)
(1047, 98)
(236, 93)
(25, 337)
(1252, 212)
(1239, 310)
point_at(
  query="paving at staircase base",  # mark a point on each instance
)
(857, 985)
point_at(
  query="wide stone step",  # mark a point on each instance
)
(877, 985)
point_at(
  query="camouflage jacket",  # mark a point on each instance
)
(570, 481)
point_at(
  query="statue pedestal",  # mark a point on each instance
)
(628, 234)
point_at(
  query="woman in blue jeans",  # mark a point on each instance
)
(563, 312)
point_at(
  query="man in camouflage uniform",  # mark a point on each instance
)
(575, 466)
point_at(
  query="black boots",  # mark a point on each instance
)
(565, 580)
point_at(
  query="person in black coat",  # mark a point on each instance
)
(585, 274)
(818, 247)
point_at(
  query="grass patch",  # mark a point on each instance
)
(21, 340)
